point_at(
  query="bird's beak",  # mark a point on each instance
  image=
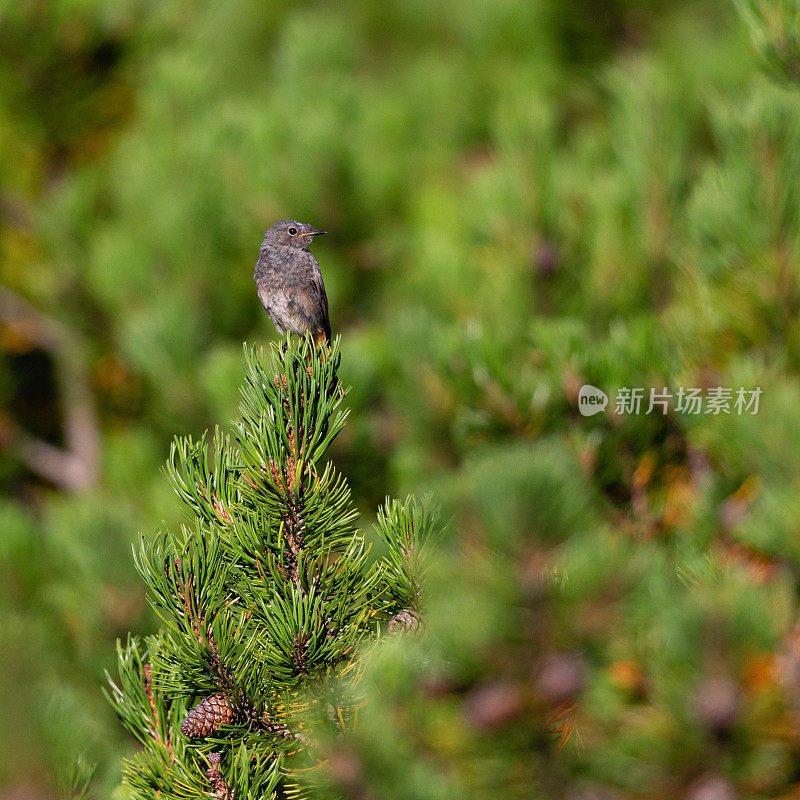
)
(313, 232)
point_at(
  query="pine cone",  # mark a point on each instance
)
(218, 785)
(208, 716)
(408, 620)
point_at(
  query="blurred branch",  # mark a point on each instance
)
(75, 466)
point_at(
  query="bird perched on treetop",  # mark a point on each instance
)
(289, 281)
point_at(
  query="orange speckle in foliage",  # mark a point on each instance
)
(759, 673)
(626, 675)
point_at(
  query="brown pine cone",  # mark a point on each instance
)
(217, 781)
(406, 621)
(208, 716)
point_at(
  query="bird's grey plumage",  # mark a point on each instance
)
(289, 280)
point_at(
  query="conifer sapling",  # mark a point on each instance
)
(266, 597)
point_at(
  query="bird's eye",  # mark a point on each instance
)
(292, 231)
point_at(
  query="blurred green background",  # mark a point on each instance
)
(521, 196)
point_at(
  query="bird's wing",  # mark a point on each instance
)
(302, 300)
(323, 297)
(318, 299)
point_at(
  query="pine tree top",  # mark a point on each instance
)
(266, 597)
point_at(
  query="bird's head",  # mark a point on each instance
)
(289, 233)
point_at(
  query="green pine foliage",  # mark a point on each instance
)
(266, 598)
(775, 29)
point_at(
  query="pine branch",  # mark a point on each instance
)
(147, 671)
(267, 599)
(406, 529)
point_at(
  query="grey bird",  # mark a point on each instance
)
(289, 281)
